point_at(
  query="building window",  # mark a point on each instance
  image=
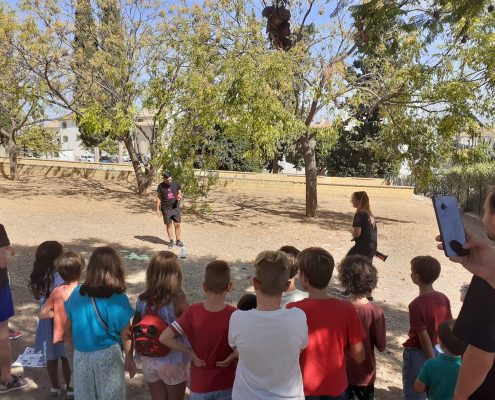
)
(140, 120)
(66, 139)
(64, 125)
(78, 138)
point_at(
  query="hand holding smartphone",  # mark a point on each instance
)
(451, 226)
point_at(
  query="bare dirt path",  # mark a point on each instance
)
(82, 214)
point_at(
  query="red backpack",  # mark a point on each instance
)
(146, 334)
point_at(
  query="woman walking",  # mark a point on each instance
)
(364, 232)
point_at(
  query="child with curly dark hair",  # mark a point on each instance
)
(359, 277)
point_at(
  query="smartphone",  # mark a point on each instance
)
(451, 226)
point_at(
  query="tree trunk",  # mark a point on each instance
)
(143, 179)
(275, 166)
(368, 167)
(13, 151)
(308, 146)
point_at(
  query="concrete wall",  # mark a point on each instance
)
(259, 182)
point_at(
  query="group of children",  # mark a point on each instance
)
(281, 343)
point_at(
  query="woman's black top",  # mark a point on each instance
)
(365, 244)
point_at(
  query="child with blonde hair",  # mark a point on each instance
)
(166, 376)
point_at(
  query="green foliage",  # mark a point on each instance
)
(179, 159)
(469, 183)
(39, 141)
(472, 155)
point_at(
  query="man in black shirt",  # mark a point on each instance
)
(168, 205)
(475, 324)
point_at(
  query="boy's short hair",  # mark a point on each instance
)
(452, 343)
(427, 268)
(358, 275)
(247, 302)
(292, 253)
(271, 269)
(70, 266)
(316, 264)
(217, 276)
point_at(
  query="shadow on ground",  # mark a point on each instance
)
(244, 206)
(68, 188)
(151, 239)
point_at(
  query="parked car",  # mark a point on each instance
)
(86, 158)
(108, 159)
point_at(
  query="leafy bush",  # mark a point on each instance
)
(468, 183)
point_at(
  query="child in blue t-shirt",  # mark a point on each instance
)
(98, 315)
(438, 376)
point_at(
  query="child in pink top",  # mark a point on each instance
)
(69, 265)
(359, 277)
(206, 326)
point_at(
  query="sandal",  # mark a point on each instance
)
(18, 382)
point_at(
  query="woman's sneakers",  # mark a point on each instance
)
(18, 382)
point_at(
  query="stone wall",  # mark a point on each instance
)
(259, 182)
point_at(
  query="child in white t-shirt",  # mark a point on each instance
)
(268, 367)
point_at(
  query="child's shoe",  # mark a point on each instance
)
(13, 334)
(69, 391)
(18, 382)
(55, 392)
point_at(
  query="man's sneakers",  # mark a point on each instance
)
(18, 382)
(13, 334)
(171, 244)
(178, 243)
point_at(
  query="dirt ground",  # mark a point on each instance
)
(82, 214)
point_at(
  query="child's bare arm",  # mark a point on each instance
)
(426, 345)
(230, 358)
(126, 338)
(357, 353)
(46, 311)
(167, 338)
(419, 387)
(476, 364)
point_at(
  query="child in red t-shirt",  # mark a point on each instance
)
(333, 327)
(359, 277)
(426, 312)
(206, 326)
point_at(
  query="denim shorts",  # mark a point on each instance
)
(413, 360)
(216, 395)
(7, 304)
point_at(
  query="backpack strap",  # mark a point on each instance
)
(150, 310)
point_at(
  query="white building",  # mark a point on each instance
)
(72, 148)
(487, 136)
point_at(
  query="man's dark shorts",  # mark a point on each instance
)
(6, 304)
(171, 215)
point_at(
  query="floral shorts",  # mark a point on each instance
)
(99, 375)
(154, 369)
